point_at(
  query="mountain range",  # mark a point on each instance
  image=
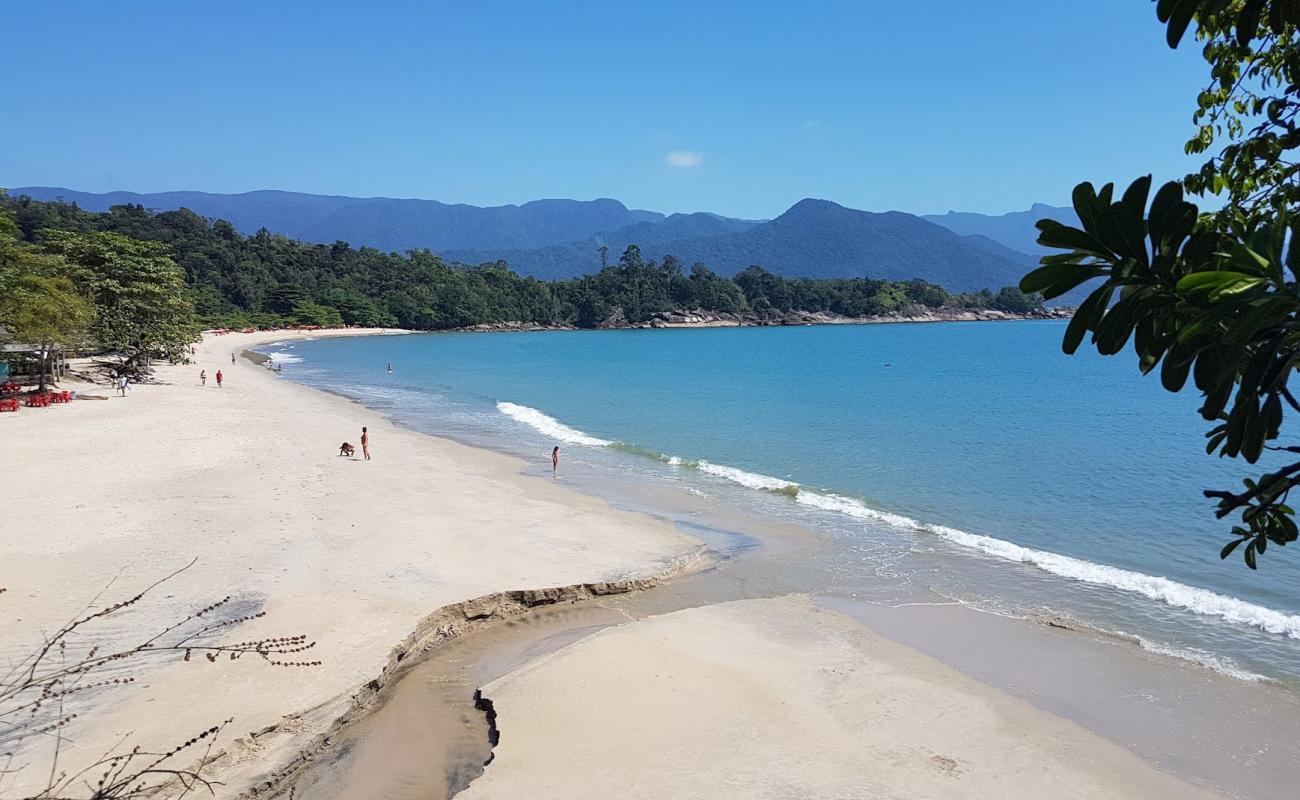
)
(1015, 230)
(560, 238)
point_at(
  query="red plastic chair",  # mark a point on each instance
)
(9, 404)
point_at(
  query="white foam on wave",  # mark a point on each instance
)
(1172, 593)
(283, 357)
(1201, 658)
(750, 480)
(549, 426)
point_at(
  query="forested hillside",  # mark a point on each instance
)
(557, 239)
(388, 223)
(268, 279)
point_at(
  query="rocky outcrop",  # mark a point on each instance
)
(704, 319)
(700, 318)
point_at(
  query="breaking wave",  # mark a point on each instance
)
(549, 426)
(1160, 589)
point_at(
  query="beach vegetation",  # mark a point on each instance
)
(1209, 298)
(142, 307)
(73, 287)
(68, 674)
(40, 307)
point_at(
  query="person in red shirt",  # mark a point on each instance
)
(218, 379)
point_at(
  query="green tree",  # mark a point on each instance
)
(1212, 297)
(39, 305)
(142, 307)
(309, 313)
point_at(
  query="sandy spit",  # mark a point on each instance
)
(778, 698)
(247, 480)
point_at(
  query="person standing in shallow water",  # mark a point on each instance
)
(555, 461)
(365, 444)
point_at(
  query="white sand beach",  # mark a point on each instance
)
(768, 698)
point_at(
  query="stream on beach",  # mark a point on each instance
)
(962, 488)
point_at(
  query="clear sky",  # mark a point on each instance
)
(739, 108)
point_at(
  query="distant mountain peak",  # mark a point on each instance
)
(558, 238)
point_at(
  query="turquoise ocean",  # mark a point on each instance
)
(972, 460)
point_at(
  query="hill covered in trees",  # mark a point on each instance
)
(813, 239)
(386, 223)
(268, 279)
(557, 239)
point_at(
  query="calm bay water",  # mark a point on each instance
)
(974, 460)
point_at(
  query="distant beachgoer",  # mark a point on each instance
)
(218, 379)
(203, 377)
(232, 358)
(390, 368)
(122, 385)
(365, 444)
(555, 461)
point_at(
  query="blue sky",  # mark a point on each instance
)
(738, 108)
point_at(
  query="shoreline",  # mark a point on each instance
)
(248, 757)
(1138, 665)
(247, 479)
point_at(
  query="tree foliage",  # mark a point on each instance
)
(142, 306)
(39, 305)
(1250, 103)
(1214, 298)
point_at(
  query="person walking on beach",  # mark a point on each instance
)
(555, 460)
(218, 379)
(232, 358)
(203, 377)
(122, 385)
(365, 444)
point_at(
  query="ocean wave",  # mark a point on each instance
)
(282, 357)
(550, 426)
(1177, 595)
(750, 480)
(1171, 593)
(1201, 658)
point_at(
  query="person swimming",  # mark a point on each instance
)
(390, 368)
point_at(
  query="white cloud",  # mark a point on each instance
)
(683, 158)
